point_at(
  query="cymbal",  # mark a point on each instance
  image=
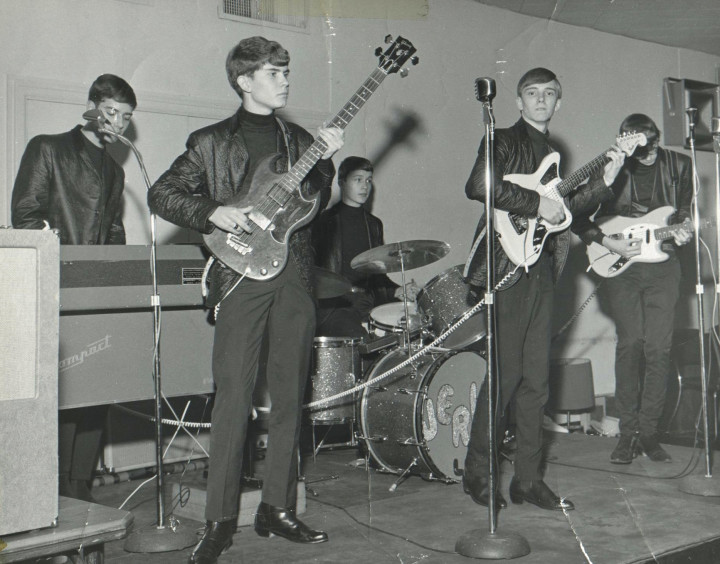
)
(328, 284)
(395, 257)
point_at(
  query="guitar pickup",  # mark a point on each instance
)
(234, 242)
(261, 221)
(617, 265)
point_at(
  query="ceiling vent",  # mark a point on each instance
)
(288, 14)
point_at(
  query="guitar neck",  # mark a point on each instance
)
(313, 154)
(569, 184)
(668, 232)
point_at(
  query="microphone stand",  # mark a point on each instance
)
(161, 538)
(703, 484)
(480, 543)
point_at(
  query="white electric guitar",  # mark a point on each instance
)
(651, 229)
(522, 238)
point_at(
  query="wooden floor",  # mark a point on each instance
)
(625, 514)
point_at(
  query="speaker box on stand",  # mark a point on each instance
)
(29, 303)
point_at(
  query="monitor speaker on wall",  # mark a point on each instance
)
(29, 303)
(679, 94)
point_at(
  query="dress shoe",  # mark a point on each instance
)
(538, 493)
(625, 450)
(478, 490)
(215, 540)
(650, 445)
(282, 522)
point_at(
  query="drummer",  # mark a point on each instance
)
(339, 235)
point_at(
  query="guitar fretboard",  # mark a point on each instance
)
(569, 184)
(310, 157)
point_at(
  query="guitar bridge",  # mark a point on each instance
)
(234, 242)
(617, 265)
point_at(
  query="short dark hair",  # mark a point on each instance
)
(251, 54)
(640, 123)
(108, 86)
(351, 164)
(538, 75)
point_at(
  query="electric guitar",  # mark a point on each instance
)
(278, 206)
(652, 229)
(522, 238)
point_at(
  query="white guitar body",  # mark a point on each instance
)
(608, 264)
(522, 238)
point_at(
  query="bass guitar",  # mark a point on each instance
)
(522, 238)
(651, 229)
(278, 206)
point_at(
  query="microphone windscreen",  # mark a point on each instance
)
(94, 115)
(485, 89)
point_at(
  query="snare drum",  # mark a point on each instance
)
(336, 368)
(444, 300)
(422, 415)
(390, 318)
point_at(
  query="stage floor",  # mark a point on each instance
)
(624, 514)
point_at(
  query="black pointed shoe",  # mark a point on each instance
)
(540, 494)
(215, 540)
(282, 522)
(478, 490)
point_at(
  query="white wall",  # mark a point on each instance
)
(173, 51)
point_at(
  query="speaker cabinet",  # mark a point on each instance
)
(679, 94)
(29, 302)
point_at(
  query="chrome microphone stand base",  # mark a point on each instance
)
(498, 545)
(170, 537)
(697, 484)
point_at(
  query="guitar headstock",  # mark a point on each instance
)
(628, 142)
(396, 55)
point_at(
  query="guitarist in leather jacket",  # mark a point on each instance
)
(642, 299)
(218, 165)
(524, 303)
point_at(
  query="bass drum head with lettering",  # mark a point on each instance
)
(453, 384)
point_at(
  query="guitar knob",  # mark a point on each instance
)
(388, 38)
(263, 271)
(276, 263)
(415, 59)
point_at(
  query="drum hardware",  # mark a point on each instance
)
(379, 439)
(410, 392)
(378, 388)
(400, 257)
(412, 442)
(402, 476)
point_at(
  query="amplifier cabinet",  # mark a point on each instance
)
(29, 289)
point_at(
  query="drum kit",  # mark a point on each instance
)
(417, 419)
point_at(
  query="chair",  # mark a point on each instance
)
(571, 386)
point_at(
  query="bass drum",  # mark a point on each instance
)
(420, 416)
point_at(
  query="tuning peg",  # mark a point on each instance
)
(403, 73)
(378, 51)
(415, 60)
(388, 38)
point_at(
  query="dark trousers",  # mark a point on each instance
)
(284, 307)
(79, 441)
(523, 319)
(642, 303)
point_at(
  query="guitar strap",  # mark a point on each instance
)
(672, 165)
(286, 138)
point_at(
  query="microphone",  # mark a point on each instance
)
(692, 117)
(715, 125)
(95, 115)
(484, 89)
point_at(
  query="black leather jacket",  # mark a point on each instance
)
(513, 154)
(328, 245)
(211, 171)
(58, 183)
(674, 189)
